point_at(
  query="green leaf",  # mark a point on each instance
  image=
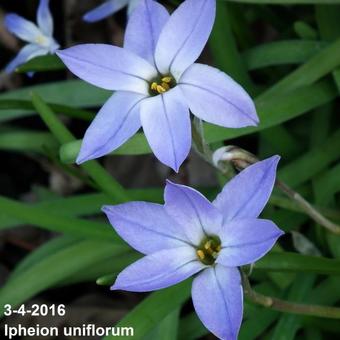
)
(56, 222)
(75, 93)
(312, 162)
(336, 75)
(292, 262)
(83, 205)
(289, 324)
(167, 328)
(315, 68)
(43, 63)
(305, 31)
(47, 249)
(327, 18)
(222, 44)
(153, 309)
(281, 53)
(9, 110)
(54, 269)
(27, 141)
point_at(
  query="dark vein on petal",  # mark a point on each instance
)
(187, 38)
(195, 210)
(170, 129)
(104, 67)
(224, 300)
(249, 243)
(221, 97)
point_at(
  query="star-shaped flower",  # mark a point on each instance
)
(188, 236)
(157, 82)
(40, 38)
(108, 8)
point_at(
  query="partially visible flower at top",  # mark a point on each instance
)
(189, 235)
(157, 82)
(40, 38)
(108, 8)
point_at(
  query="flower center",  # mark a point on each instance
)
(41, 40)
(161, 85)
(209, 249)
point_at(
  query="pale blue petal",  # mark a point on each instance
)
(145, 226)
(184, 36)
(109, 67)
(166, 124)
(217, 296)
(132, 6)
(105, 10)
(115, 123)
(247, 193)
(44, 18)
(197, 216)
(216, 98)
(159, 270)
(22, 28)
(27, 53)
(245, 241)
(144, 27)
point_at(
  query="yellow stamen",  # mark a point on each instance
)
(160, 89)
(167, 79)
(154, 86)
(200, 254)
(207, 245)
(166, 86)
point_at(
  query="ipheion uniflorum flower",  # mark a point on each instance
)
(189, 236)
(157, 82)
(40, 38)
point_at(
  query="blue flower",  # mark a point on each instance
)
(188, 236)
(157, 82)
(108, 8)
(40, 38)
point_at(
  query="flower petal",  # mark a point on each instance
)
(28, 52)
(247, 193)
(217, 296)
(105, 10)
(109, 67)
(22, 28)
(189, 208)
(115, 123)
(245, 241)
(216, 98)
(44, 18)
(184, 36)
(166, 124)
(159, 270)
(132, 5)
(145, 226)
(144, 27)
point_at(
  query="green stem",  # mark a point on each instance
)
(99, 175)
(287, 306)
